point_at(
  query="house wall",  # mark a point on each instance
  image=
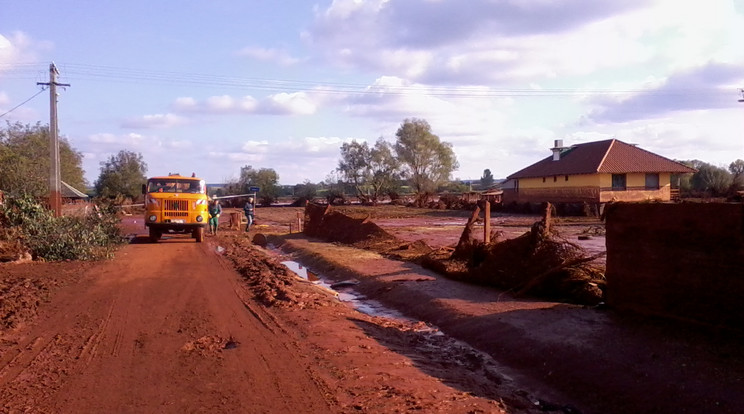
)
(635, 188)
(577, 189)
(590, 188)
(581, 180)
(680, 260)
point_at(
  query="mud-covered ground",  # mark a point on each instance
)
(461, 349)
(222, 326)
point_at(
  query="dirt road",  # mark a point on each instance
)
(161, 328)
(173, 328)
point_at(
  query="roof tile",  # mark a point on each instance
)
(610, 156)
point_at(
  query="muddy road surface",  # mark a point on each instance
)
(173, 328)
(162, 328)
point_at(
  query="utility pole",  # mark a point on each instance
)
(55, 192)
(742, 95)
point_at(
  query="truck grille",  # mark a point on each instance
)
(176, 208)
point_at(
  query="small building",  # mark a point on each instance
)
(71, 195)
(594, 172)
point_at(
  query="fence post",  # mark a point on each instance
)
(487, 223)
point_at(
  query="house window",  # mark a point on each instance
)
(566, 178)
(555, 178)
(543, 179)
(618, 182)
(652, 181)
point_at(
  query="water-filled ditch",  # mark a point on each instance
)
(345, 292)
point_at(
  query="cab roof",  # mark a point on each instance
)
(174, 177)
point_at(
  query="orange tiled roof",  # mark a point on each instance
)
(610, 156)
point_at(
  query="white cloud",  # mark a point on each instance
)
(220, 103)
(297, 103)
(496, 42)
(126, 140)
(154, 121)
(185, 104)
(702, 88)
(17, 48)
(260, 147)
(243, 157)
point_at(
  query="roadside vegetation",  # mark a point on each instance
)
(29, 227)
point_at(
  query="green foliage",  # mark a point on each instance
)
(709, 180)
(122, 175)
(372, 171)
(486, 180)
(266, 179)
(428, 162)
(25, 160)
(306, 191)
(736, 169)
(334, 188)
(89, 237)
(454, 187)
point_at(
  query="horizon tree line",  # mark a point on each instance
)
(418, 158)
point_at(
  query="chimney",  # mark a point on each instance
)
(557, 147)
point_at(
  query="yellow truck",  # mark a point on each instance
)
(177, 204)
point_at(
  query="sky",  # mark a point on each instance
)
(211, 86)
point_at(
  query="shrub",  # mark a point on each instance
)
(91, 237)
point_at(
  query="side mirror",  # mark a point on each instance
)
(144, 188)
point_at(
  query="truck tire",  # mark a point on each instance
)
(198, 234)
(155, 235)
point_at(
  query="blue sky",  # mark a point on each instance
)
(211, 86)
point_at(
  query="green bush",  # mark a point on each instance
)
(89, 237)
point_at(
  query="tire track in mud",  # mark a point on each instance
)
(161, 328)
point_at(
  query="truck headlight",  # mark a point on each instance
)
(153, 218)
(199, 219)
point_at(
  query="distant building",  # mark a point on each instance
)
(594, 172)
(71, 195)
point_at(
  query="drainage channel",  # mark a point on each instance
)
(346, 293)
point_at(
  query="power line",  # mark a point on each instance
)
(24, 102)
(111, 74)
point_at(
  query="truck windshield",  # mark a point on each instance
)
(176, 186)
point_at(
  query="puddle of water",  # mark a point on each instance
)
(301, 271)
(347, 294)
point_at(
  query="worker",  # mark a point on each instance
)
(248, 210)
(215, 209)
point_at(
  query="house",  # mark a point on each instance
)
(70, 194)
(594, 172)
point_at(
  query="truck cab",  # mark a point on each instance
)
(176, 204)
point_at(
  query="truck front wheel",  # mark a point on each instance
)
(198, 234)
(155, 235)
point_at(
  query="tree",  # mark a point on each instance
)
(122, 175)
(709, 179)
(428, 162)
(486, 180)
(25, 160)
(305, 192)
(736, 169)
(372, 171)
(335, 191)
(266, 179)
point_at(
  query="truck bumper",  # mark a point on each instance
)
(182, 227)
